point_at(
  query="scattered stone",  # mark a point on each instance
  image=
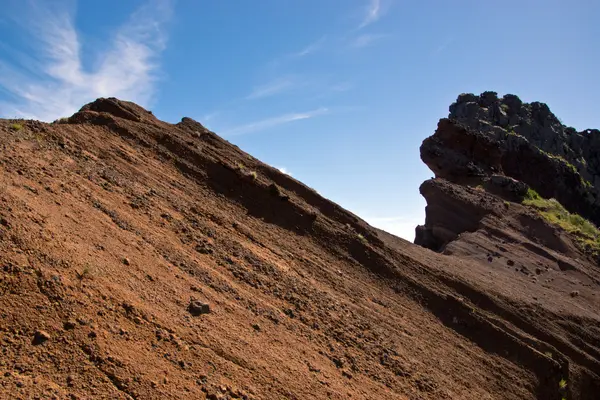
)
(510, 263)
(256, 327)
(538, 271)
(92, 334)
(70, 380)
(490, 259)
(197, 308)
(40, 337)
(70, 325)
(126, 261)
(575, 293)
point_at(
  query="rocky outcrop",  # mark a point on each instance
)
(105, 109)
(486, 136)
(451, 210)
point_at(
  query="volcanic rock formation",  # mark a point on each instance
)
(146, 260)
(485, 136)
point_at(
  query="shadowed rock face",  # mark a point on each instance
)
(486, 136)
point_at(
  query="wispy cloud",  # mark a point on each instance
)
(273, 122)
(366, 39)
(442, 46)
(373, 13)
(311, 48)
(272, 88)
(58, 84)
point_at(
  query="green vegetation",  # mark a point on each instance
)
(362, 239)
(562, 384)
(562, 160)
(586, 184)
(586, 233)
(16, 127)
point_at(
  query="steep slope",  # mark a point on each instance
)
(113, 223)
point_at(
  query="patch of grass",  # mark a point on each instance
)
(586, 233)
(253, 174)
(362, 239)
(562, 384)
(585, 183)
(16, 127)
(562, 160)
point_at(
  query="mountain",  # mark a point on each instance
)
(148, 260)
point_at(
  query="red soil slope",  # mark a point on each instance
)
(112, 221)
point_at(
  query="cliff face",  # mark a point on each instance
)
(486, 135)
(146, 260)
(491, 157)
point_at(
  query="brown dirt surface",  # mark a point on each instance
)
(146, 260)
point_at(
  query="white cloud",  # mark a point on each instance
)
(373, 13)
(366, 40)
(273, 121)
(284, 170)
(57, 84)
(272, 88)
(403, 227)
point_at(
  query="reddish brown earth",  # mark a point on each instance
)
(113, 221)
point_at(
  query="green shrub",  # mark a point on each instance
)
(16, 127)
(362, 239)
(586, 233)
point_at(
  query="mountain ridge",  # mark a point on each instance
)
(113, 222)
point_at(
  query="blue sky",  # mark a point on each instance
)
(338, 93)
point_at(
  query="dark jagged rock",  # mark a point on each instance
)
(451, 210)
(487, 136)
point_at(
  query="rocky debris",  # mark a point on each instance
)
(198, 308)
(69, 325)
(40, 337)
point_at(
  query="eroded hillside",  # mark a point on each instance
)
(113, 223)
